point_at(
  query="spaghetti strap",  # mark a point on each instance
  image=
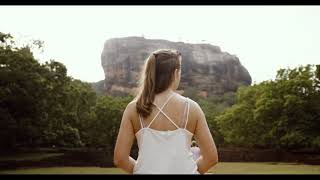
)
(167, 117)
(160, 110)
(187, 118)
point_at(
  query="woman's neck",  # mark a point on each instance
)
(166, 92)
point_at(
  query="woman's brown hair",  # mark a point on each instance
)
(156, 77)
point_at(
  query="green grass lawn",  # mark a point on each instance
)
(220, 168)
(264, 168)
(65, 170)
(29, 156)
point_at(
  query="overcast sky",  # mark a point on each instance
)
(265, 38)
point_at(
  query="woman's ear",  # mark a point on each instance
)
(176, 74)
(177, 77)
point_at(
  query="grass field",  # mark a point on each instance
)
(29, 156)
(220, 168)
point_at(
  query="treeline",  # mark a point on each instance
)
(40, 106)
(281, 114)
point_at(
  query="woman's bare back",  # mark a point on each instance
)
(176, 109)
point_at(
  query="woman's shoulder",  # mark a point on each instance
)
(195, 109)
(189, 100)
(133, 102)
(131, 106)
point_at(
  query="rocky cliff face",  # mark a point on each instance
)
(205, 68)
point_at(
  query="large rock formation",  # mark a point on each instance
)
(205, 68)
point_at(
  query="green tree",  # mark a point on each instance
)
(109, 111)
(283, 113)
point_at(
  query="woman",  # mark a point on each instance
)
(164, 122)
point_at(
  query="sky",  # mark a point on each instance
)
(265, 38)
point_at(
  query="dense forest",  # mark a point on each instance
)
(41, 106)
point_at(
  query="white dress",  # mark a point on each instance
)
(165, 152)
(196, 152)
